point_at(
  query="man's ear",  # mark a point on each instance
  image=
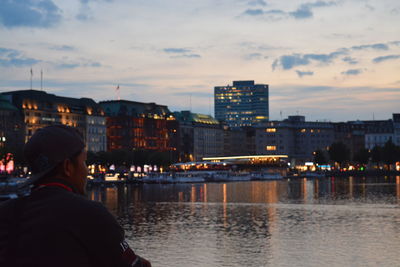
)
(68, 167)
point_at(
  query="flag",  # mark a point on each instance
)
(31, 72)
(117, 87)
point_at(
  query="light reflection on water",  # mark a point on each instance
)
(333, 221)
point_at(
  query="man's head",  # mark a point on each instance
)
(57, 152)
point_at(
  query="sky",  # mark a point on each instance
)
(326, 60)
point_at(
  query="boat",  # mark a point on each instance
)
(176, 177)
(313, 174)
(261, 176)
(13, 188)
(207, 176)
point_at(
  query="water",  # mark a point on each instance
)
(331, 222)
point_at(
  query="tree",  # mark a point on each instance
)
(319, 157)
(376, 155)
(362, 156)
(338, 152)
(389, 153)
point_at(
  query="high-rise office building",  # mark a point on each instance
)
(242, 104)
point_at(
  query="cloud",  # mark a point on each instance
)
(14, 58)
(350, 60)
(181, 53)
(384, 58)
(304, 73)
(29, 13)
(371, 8)
(62, 48)
(176, 50)
(395, 11)
(85, 11)
(74, 65)
(304, 11)
(371, 46)
(254, 12)
(290, 61)
(187, 56)
(395, 43)
(254, 56)
(68, 66)
(257, 3)
(352, 72)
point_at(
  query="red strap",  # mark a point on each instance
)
(57, 185)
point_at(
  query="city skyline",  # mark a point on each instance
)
(327, 60)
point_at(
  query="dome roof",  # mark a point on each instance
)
(5, 105)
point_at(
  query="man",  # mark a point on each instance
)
(56, 225)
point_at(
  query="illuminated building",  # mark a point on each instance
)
(357, 135)
(39, 109)
(11, 127)
(201, 136)
(242, 104)
(239, 141)
(147, 126)
(294, 137)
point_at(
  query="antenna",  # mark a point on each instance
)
(117, 93)
(190, 102)
(31, 77)
(41, 79)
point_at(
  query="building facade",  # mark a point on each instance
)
(143, 126)
(294, 137)
(39, 109)
(357, 135)
(239, 141)
(242, 104)
(11, 128)
(378, 133)
(201, 136)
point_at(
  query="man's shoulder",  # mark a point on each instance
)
(65, 204)
(75, 202)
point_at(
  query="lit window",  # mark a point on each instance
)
(270, 130)
(303, 130)
(270, 148)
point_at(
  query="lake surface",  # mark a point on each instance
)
(304, 222)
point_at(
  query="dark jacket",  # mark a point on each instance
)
(56, 227)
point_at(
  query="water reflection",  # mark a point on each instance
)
(306, 222)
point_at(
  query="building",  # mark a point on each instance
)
(239, 141)
(378, 133)
(143, 126)
(201, 136)
(357, 135)
(351, 134)
(294, 137)
(396, 127)
(11, 128)
(39, 109)
(242, 104)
